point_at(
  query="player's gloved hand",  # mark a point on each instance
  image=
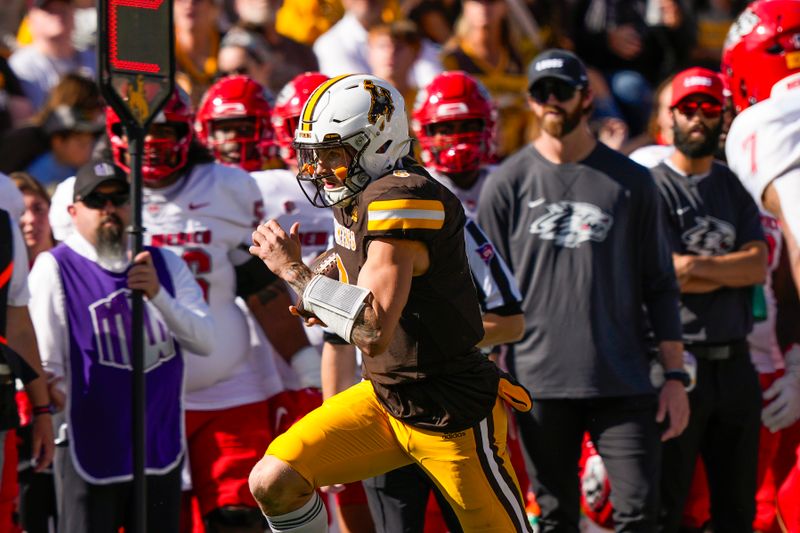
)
(784, 409)
(306, 364)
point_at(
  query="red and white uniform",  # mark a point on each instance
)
(469, 197)
(285, 202)
(763, 145)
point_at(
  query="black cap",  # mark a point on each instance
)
(67, 118)
(559, 64)
(93, 174)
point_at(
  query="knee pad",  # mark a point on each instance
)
(230, 516)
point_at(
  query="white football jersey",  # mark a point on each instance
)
(764, 349)
(468, 197)
(286, 203)
(763, 143)
(60, 221)
(206, 218)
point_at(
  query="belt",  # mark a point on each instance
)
(719, 352)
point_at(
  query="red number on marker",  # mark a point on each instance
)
(122, 64)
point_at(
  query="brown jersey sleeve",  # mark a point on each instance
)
(405, 206)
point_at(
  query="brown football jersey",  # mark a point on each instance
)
(431, 375)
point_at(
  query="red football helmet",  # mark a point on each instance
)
(762, 48)
(454, 96)
(288, 105)
(160, 157)
(237, 97)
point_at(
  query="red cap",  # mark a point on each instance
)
(697, 80)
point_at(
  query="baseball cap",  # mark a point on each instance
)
(697, 80)
(559, 64)
(68, 118)
(93, 174)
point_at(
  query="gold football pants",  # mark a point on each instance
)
(352, 437)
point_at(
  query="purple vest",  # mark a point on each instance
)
(100, 372)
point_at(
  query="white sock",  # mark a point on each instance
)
(310, 518)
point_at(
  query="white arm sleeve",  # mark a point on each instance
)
(186, 315)
(49, 315)
(18, 294)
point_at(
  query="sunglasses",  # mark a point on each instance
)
(98, 200)
(709, 109)
(562, 90)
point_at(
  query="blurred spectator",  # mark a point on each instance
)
(37, 500)
(343, 48)
(85, 35)
(482, 47)
(244, 52)
(305, 20)
(197, 39)
(73, 103)
(88, 279)
(288, 58)
(34, 222)
(655, 144)
(71, 136)
(11, 14)
(14, 105)
(51, 54)
(392, 50)
(713, 19)
(436, 19)
(634, 43)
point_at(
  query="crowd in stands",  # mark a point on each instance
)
(54, 126)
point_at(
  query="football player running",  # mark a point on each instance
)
(406, 299)
(761, 59)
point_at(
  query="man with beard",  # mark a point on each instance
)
(579, 224)
(80, 304)
(719, 253)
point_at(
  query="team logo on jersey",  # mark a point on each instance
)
(486, 252)
(289, 207)
(569, 224)
(111, 317)
(344, 237)
(381, 104)
(709, 236)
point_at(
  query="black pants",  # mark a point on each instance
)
(398, 499)
(625, 435)
(723, 428)
(88, 508)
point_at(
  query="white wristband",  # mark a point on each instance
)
(306, 364)
(337, 304)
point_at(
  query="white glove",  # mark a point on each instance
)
(784, 409)
(306, 364)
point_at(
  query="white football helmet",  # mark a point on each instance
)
(357, 123)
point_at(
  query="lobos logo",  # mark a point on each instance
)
(709, 236)
(569, 224)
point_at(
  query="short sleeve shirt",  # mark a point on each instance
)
(710, 215)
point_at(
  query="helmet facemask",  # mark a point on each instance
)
(329, 173)
(240, 141)
(456, 150)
